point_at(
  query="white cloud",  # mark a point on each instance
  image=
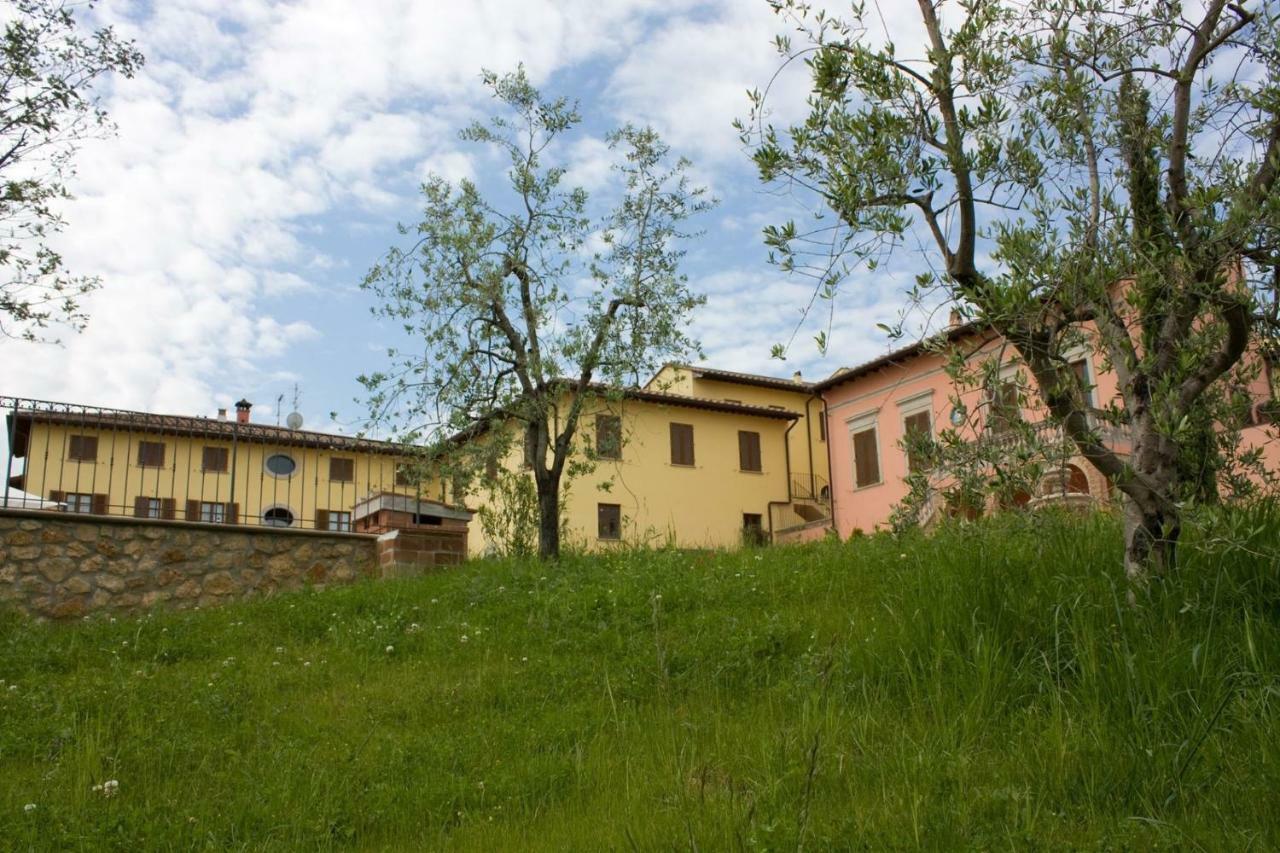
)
(249, 120)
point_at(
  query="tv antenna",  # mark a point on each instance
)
(294, 421)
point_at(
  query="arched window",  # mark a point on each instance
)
(278, 516)
(1077, 482)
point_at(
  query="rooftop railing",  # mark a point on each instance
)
(64, 457)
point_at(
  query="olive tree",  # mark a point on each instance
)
(523, 307)
(49, 65)
(1075, 170)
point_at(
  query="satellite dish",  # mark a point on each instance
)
(294, 421)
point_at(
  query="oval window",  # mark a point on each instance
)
(281, 465)
(277, 516)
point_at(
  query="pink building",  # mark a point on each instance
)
(870, 408)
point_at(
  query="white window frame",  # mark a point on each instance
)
(75, 500)
(861, 423)
(339, 521)
(213, 512)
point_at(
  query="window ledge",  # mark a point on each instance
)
(868, 486)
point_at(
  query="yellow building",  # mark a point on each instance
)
(217, 470)
(698, 458)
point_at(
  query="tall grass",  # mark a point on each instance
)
(983, 687)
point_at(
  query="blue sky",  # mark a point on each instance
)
(267, 151)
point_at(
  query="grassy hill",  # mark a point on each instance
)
(985, 687)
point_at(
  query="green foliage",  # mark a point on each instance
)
(48, 67)
(982, 688)
(524, 306)
(1048, 157)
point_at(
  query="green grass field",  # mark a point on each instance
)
(982, 688)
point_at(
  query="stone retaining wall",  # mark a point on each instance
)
(60, 566)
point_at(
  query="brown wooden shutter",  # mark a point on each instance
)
(58, 496)
(140, 506)
(151, 454)
(749, 451)
(168, 508)
(83, 448)
(193, 511)
(214, 460)
(608, 436)
(322, 519)
(341, 470)
(100, 504)
(681, 444)
(233, 513)
(916, 426)
(866, 464)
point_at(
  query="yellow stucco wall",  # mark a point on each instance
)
(117, 474)
(807, 443)
(693, 507)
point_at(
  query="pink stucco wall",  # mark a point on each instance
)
(881, 393)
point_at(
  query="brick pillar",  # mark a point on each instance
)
(412, 552)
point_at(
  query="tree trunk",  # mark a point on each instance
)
(549, 518)
(1150, 544)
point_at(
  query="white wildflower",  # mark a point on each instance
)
(390, 649)
(110, 787)
(279, 650)
(306, 663)
(29, 808)
(462, 639)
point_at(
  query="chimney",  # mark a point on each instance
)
(242, 411)
(956, 319)
(222, 414)
(795, 377)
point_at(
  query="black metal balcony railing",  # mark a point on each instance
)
(810, 487)
(84, 459)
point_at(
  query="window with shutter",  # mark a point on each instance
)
(681, 444)
(82, 448)
(490, 469)
(749, 451)
(1080, 367)
(918, 428)
(145, 507)
(608, 436)
(213, 512)
(101, 505)
(342, 470)
(822, 428)
(1004, 407)
(404, 475)
(866, 459)
(214, 460)
(150, 454)
(609, 521)
(78, 502)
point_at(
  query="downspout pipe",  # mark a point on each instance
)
(831, 479)
(786, 450)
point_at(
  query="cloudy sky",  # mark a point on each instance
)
(267, 151)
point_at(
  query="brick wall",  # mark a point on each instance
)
(59, 565)
(408, 551)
